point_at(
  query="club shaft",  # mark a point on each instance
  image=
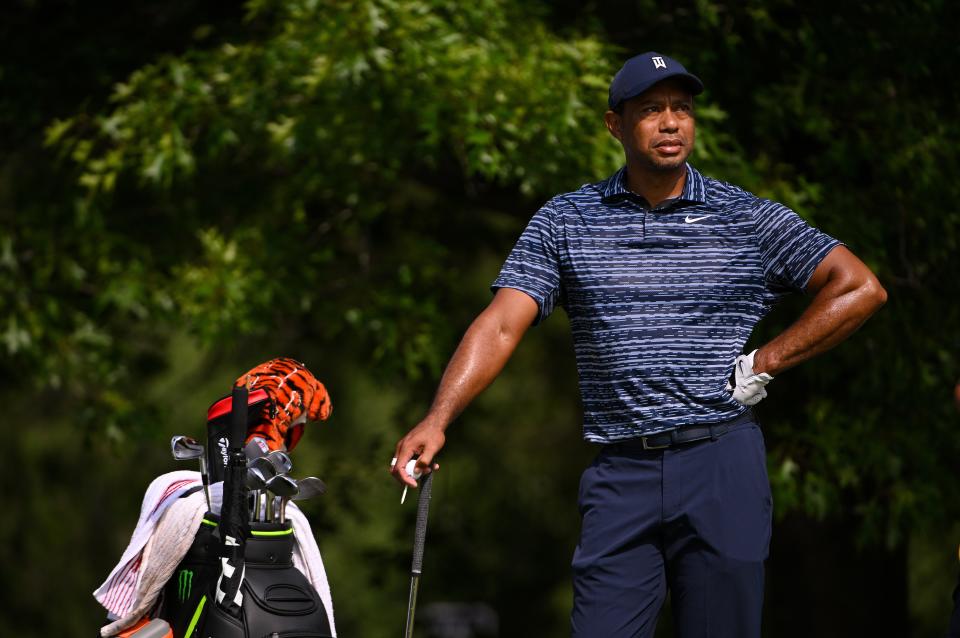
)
(412, 604)
(205, 477)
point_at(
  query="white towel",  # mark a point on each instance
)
(118, 593)
(166, 547)
(160, 542)
(306, 558)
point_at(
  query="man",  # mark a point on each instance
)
(663, 273)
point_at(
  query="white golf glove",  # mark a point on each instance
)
(751, 388)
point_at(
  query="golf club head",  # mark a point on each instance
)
(309, 487)
(264, 465)
(255, 479)
(255, 448)
(280, 461)
(283, 485)
(185, 448)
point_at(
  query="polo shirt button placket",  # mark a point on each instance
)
(641, 207)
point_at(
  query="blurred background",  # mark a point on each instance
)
(189, 189)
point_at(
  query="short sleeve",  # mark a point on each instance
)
(533, 266)
(790, 248)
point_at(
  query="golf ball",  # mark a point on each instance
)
(412, 470)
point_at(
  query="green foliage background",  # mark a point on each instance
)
(186, 191)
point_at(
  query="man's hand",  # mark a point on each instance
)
(425, 439)
(750, 388)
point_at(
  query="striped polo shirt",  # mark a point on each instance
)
(660, 300)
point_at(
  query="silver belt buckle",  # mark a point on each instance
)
(647, 446)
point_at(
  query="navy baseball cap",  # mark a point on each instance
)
(642, 71)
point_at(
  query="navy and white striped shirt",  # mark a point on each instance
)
(661, 301)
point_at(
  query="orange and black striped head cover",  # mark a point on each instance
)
(295, 396)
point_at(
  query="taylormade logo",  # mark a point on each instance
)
(222, 444)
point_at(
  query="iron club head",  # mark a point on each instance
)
(255, 478)
(264, 466)
(309, 487)
(280, 461)
(255, 448)
(283, 485)
(185, 448)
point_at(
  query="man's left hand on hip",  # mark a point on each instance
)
(750, 388)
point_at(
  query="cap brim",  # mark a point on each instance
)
(693, 83)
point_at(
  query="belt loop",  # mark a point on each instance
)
(713, 433)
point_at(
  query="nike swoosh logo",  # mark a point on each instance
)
(693, 220)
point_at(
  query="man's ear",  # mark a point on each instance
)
(614, 124)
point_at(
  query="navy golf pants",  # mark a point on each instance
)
(695, 518)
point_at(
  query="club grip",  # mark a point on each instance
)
(420, 534)
(238, 416)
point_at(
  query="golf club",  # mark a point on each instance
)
(283, 485)
(280, 461)
(261, 467)
(280, 485)
(256, 478)
(255, 448)
(262, 499)
(419, 539)
(256, 481)
(254, 503)
(185, 448)
(307, 488)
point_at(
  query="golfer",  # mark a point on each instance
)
(664, 273)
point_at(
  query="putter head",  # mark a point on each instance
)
(283, 485)
(309, 487)
(185, 448)
(280, 461)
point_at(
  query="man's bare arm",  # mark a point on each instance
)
(481, 355)
(846, 293)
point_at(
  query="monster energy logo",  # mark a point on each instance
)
(184, 584)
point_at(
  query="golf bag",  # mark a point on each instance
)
(237, 580)
(277, 598)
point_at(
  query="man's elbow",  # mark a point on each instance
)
(873, 294)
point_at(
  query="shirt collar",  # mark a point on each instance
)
(694, 189)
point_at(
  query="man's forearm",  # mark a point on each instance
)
(481, 355)
(841, 306)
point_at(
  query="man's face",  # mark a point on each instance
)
(657, 128)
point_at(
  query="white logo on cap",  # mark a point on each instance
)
(658, 63)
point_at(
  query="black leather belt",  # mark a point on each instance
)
(682, 435)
